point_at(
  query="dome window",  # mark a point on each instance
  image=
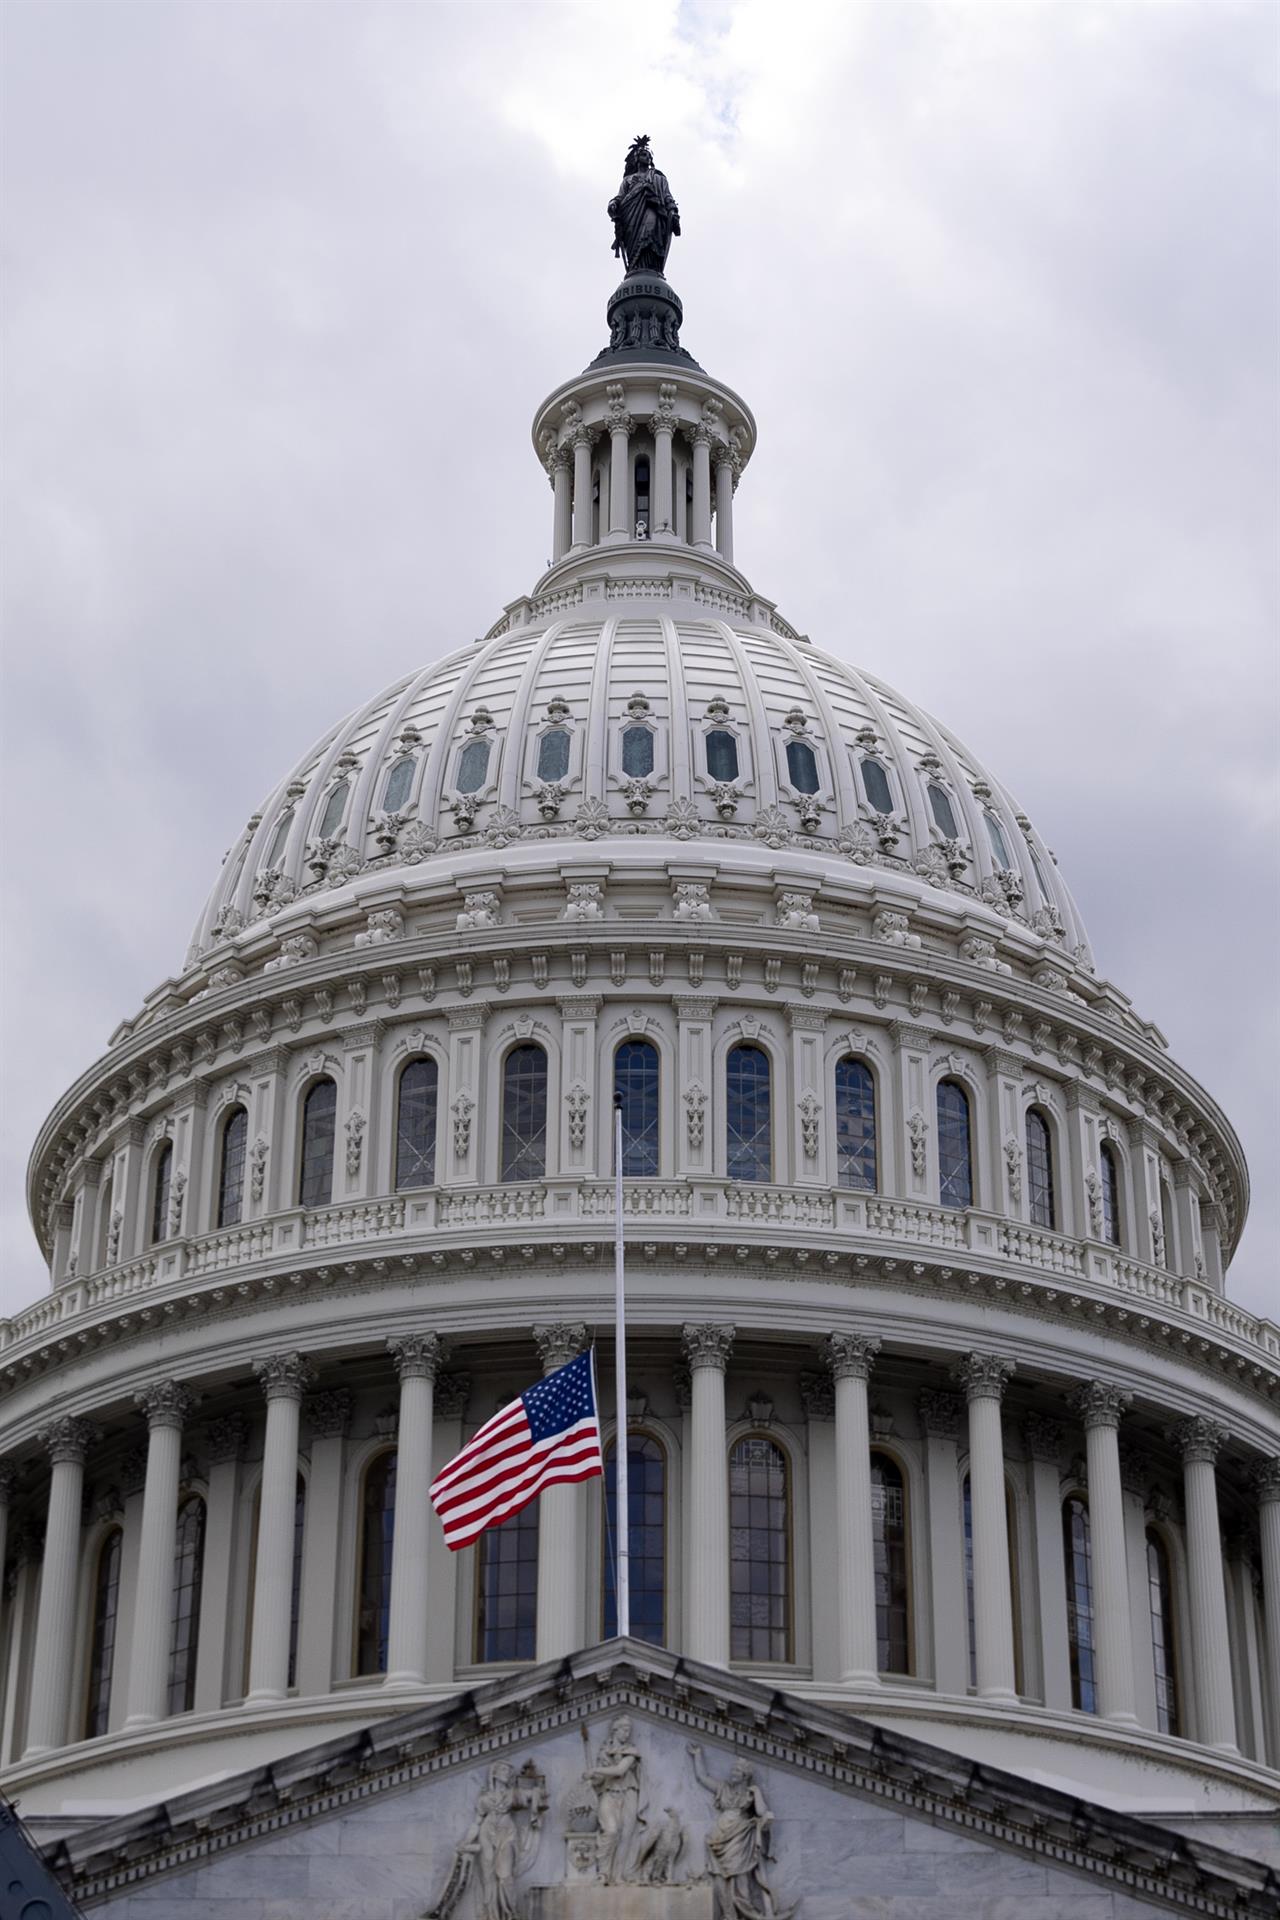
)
(160, 1183)
(955, 1158)
(802, 766)
(855, 1126)
(642, 497)
(473, 766)
(235, 1138)
(748, 1124)
(1110, 1194)
(275, 852)
(553, 754)
(940, 805)
(399, 785)
(722, 755)
(635, 1090)
(875, 782)
(994, 835)
(416, 1125)
(524, 1113)
(334, 808)
(1041, 882)
(637, 752)
(319, 1123)
(1042, 1206)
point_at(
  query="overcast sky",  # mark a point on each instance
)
(283, 285)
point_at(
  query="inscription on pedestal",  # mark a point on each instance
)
(587, 1902)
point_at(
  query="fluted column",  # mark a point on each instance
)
(559, 1629)
(417, 1357)
(940, 1417)
(284, 1377)
(223, 1448)
(582, 438)
(1100, 1408)
(707, 1350)
(724, 501)
(328, 1415)
(1266, 1480)
(619, 423)
(67, 1441)
(851, 1357)
(1198, 1441)
(701, 437)
(663, 424)
(8, 1481)
(166, 1405)
(562, 522)
(984, 1377)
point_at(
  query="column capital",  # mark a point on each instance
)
(417, 1356)
(707, 1345)
(620, 423)
(1082, 1098)
(1135, 1470)
(68, 1439)
(1264, 1476)
(559, 1343)
(283, 1376)
(940, 1414)
(1198, 1439)
(1000, 1060)
(224, 1439)
(453, 1392)
(1043, 1438)
(329, 1413)
(818, 1396)
(166, 1403)
(850, 1356)
(1099, 1405)
(984, 1376)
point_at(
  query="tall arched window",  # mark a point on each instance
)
(416, 1101)
(1042, 885)
(996, 836)
(161, 1175)
(759, 1550)
(507, 1588)
(102, 1637)
(1010, 1513)
(104, 1221)
(943, 814)
(802, 766)
(855, 1126)
(279, 839)
(1163, 1651)
(1078, 1558)
(646, 1538)
(748, 1124)
(319, 1121)
(875, 783)
(377, 1539)
(334, 808)
(1166, 1224)
(889, 1550)
(1110, 1176)
(955, 1158)
(188, 1575)
(524, 1113)
(1040, 1198)
(235, 1136)
(635, 1085)
(722, 756)
(642, 497)
(399, 784)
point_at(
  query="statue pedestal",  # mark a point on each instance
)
(585, 1901)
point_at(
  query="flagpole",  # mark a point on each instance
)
(622, 1508)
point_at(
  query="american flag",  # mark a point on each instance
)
(551, 1433)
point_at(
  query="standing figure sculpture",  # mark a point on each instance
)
(495, 1849)
(615, 1778)
(737, 1845)
(645, 216)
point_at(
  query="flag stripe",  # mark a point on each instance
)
(478, 1485)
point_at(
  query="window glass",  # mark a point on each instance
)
(1038, 870)
(188, 1574)
(399, 785)
(416, 1125)
(235, 1135)
(104, 1222)
(160, 1194)
(1160, 1598)
(855, 1126)
(275, 853)
(507, 1588)
(759, 1551)
(642, 496)
(553, 754)
(722, 756)
(295, 1585)
(473, 765)
(996, 837)
(747, 1114)
(646, 1538)
(102, 1643)
(319, 1118)
(876, 784)
(1039, 1171)
(1110, 1195)
(635, 1082)
(940, 803)
(524, 1114)
(334, 808)
(955, 1164)
(377, 1538)
(889, 1552)
(637, 752)
(1078, 1556)
(1166, 1223)
(802, 766)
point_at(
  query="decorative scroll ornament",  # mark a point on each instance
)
(381, 929)
(224, 1439)
(984, 1376)
(893, 929)
(500, 1845)
(355, 1127)
(1157, 1236)
(917, 1130)
(810, 1112)
(695, 1100)
(707, 1346)
(417, 1356)
(329, 1413)
(1093, 1194)
(1198, 1439)
(795, 910)
(113, 1237)
(585, 901)
(980, 952)
(479, 910)
(67, 1440)
(283, 1376)
(692, 901)
(294, 952)
(850, 1356)
(1043, 1438)
(258, 1167)
(166, 1403)
(578, 1102)
(1099, 1405)
(1013, 1161)
(560, 1343)
(941, 1414)
(462, 1109)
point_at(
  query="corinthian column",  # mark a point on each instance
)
(701, 436)
(984, 1377)
(724, 501)
(166, 1405)
(1266, 1480)
(417, 1357)
(851, 1357)
(562, 520)
(663, 424)
(1198, 1441)
(559, 1628)
(582, 438)
(619, 423)
(284, 1378)
(1100, 1407)
(67, 1440)
(707, 1350)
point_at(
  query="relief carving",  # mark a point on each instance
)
(738, 1844)
(501, 1844)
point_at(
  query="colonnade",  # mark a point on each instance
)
(576, 473)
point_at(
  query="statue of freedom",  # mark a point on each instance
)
(644, 214)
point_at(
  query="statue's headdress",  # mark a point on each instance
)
(638, 154)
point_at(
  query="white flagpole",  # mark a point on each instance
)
(622, 1510)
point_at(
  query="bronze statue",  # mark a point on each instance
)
(645, 216)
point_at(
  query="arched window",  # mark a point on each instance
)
(722, 756)
(334, 808)
(1160, 1592)
(399, 784)
(275, 852)
(319, 1120)
(940, 807)
(759, 1551)
(748, 1126)
(1010, 1512)
(102, 1637)
(161, 1174)
(955, 1159)
(996, 837)
(1040, 1199)
(188, 1575)
(1042, 884)
(416, 1101)
(377, 1539)
(473, 765)
(646, 1538)
(875, 782)
(524, 1113)
(507, 1588)
(1110, 1194)
(635, 1084)
(104, 1221)
(855, 1126)
(642, 497)
(1078, 1558)
(1166, 1223)
(802, 766)
(637, 752)
(553, 754)
(889, 1552)
(235, 1136)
